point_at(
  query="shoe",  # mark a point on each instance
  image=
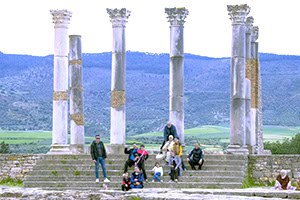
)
(161, 180)
(146, 180)
(97, 180)
(170, 181)
(176, 180)
(106, 180)
(152, 181)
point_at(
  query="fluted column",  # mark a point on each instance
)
(76, 95)
(61, 19)
(118, 18)
(256, 103)
(176, 17)
(238, 15)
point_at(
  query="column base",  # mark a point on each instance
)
(59, 149)
(77, 149)
(115, 149)
(237, 150)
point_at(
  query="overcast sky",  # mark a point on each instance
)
(27, 28)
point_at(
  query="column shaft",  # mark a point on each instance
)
(76, 95)
(118, 81)
(60, 81)
(176, 18)
(238, 14)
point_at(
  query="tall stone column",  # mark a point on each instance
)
(256, 102)
(118, 18)
(176, 17)
(61, 19)
(238, 15)
(250, 125)
(76, 95)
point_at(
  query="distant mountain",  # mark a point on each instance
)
(26, 87)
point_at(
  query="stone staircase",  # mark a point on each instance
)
(76, 172)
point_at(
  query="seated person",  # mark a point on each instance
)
(177, 148)
(136, 178)
(158, 172)
(126, 182)
(175, 168)
(283, 181)
(196, 157)
(167, 147)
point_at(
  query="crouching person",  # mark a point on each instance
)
(137, 178)
(283, 181)
(196, 157)
(126, 182)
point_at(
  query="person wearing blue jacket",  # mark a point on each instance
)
(137, 178)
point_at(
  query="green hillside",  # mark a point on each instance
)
(210, 137)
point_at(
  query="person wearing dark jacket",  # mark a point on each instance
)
(137, 178)
(196, 157)
(170, 129)
(132, 157)
(98, 154)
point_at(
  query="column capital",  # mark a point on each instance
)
(238, 13)
(176, 16)
(254, 33)
(249, 24)
(118, 17)
(61, 18)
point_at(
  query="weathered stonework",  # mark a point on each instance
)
(61, 20)
(76, 95)
(118, 98)
(238, 14)
(265, 168)
(176, 17)
(118, 18)
(16, 166)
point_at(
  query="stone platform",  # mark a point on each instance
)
(151, 193)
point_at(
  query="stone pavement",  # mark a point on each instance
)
(9, 193)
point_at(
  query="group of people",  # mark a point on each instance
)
(171, 152)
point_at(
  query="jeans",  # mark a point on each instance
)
(102, 162)
(157, 176)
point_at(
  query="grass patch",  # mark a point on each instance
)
(54, 173)
(11, 182)
(77, 173)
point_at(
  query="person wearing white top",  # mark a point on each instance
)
(167, 147)
(158, 172)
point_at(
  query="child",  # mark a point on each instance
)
(126, 182)
(158, 172)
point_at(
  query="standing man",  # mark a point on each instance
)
(98, 154)
(196, 157)
(170, 129)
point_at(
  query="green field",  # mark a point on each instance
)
(152, 140)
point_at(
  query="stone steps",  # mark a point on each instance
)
(115, 178)
(149, 162)
(68, 173)
(90, 185)
(118, 167)
(62, 172)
